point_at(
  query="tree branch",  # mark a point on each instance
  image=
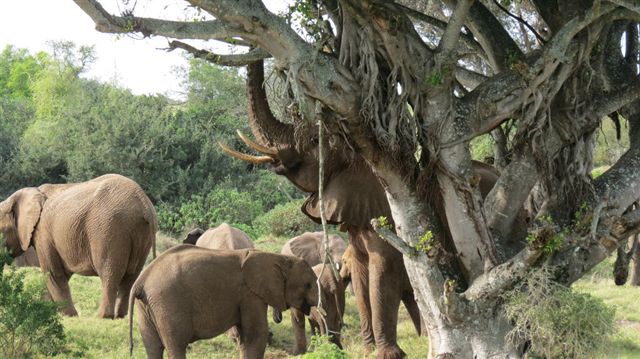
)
(621, 183)
(225, 60)
(452, 32)
(391, 238)
(503, 276)
(108, 23)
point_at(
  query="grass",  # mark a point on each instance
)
(90, 337)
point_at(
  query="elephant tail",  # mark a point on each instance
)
(136, 293)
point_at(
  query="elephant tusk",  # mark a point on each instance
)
(260, 148)
(245, 157)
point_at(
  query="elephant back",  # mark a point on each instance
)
(308, 246)
(225, 237)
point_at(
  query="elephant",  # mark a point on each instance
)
(222, 237)
(27, 259)
(308, 246)
(328, 323)
(352, 196)
(103, 227)
(190, 293)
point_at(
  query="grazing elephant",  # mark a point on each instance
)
(330, 324)
(103, 227)
(190, 293)
(27, 259)
(222, 237)
(353, 196)
(308, 246)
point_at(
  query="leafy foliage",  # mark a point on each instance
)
(29, 324)
(559, 322)
(322, 348)
(284, 220)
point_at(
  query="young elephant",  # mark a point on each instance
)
(103, 227)
(332, 292)
(190, 293)
(222, 237)
(308, 246)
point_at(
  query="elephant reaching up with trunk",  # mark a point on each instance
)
(104, 227)
(222, 237)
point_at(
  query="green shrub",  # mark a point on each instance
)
(558, 322)
(284, 220)
(322, 348)
(29, 324)
(220, 205)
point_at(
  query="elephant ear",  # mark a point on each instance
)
(264, 275)
(26, 210)
(353, 196)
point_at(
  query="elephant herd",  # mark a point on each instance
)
(215, 281)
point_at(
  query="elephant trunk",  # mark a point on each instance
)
(265, 127)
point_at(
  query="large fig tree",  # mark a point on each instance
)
(408, 84)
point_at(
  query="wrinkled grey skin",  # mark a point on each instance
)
(190, 293)
(104, 227)
(222, 237)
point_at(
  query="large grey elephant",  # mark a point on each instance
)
(353, 196)
(104, 227)
(190, 293)
(222, 237)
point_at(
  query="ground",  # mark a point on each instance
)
(90, 337)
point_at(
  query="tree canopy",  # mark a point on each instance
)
(406, 85)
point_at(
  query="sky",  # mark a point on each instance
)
(139, 64)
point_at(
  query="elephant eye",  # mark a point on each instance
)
(307, 286)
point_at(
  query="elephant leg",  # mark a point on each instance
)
(150, 338)
(385, 289)
(254, 330)
(298, 325)
(234, 334)
(360, 285)
(108, 300)
(122, 300)
(58, 286)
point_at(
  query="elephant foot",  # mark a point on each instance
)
(299, 351)
(390, 353)
(70, 312)
(369, 348)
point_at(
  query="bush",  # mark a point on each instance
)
(284, 220)
(29, 324)
(322, 348)
(558, 322)
(220, 205)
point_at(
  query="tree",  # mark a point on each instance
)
(407, 87)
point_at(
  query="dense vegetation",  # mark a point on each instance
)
(56, 126)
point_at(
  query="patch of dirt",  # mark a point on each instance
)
(629, 324)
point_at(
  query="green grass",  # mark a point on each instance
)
(90, 337)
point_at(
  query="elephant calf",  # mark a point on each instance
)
(222, 237)
(330, 324)
(308, 247)
(190, 293)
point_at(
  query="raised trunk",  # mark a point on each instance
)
(265, 127)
